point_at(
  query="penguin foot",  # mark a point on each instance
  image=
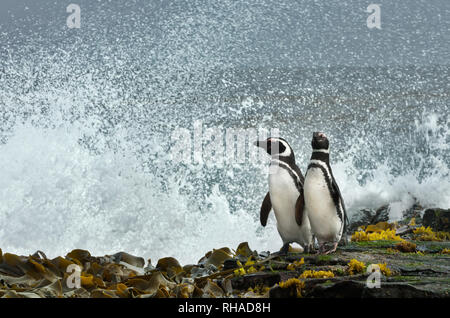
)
(325, 251)
(283, 251)
(332, 250)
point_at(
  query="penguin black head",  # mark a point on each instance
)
(276, 147)
(320, 142)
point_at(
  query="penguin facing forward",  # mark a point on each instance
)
(285, 195)
(324, 204)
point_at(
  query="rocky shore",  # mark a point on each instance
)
(410, 258)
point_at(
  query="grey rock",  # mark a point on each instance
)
(414, 212)
(357, 289)
(363, 217)
(368, 216)
(381, 215)
(278, 292)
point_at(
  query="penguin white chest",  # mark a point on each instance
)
(283, 195)
(283, 192)
(320, 207)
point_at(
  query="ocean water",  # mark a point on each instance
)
(89, 117)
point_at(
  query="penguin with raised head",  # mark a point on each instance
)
(285, 195)
(324, 204)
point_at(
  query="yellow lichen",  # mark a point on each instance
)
(427, 234)
(299, 285)
(259, 289)
(240, 271)
(445, 251)
(290, 267)
(249, 261)
(300, 262)
(391, 250)
(412, 222)
(295, 264)
(384, 269)
(376, 233)
(355, 267)
(317, 274)
(423, 230)
(247, 268)
(251, 270)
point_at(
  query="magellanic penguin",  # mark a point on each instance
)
(324, 205)
(285, 195)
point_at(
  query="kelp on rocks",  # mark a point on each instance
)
(402, 254)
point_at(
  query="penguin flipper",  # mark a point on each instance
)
(341, 201)
(299, 208)
(265, 209)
